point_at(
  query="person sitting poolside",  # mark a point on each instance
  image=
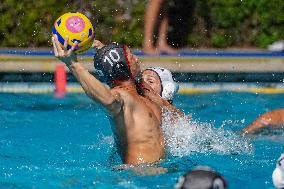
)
(135, 119)
(158, 85)
(272, 119)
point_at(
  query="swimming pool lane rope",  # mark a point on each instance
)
(183, 90)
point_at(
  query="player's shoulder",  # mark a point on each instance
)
(124, 94)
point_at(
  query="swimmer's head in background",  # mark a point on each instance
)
(201, 178)
(111, 63)
(168, 86)
(278, 173)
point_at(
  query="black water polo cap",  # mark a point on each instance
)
(111, 63)
(201, 178)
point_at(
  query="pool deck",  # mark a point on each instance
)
(23, 60)
(32, 71)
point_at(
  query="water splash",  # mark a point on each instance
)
(185, 136)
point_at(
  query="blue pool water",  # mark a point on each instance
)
(67, 143)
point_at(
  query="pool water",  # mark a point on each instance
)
(67, 143)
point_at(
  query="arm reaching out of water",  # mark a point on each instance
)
(93, 87)
(135, 120)
(149, 93)
(271, 119)
(158, 85)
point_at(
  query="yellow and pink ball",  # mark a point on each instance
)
(77, 27)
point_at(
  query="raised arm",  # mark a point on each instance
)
(92, 87)
(149, 93)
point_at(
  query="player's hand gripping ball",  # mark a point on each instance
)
(77, 27)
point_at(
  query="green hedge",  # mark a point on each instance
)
(214, 23)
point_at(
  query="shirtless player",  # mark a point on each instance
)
(136, 119)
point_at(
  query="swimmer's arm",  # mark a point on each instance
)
(171, 107)
(164, 103)
(256, 125)
(174, 109)
(151, 95)
(93, 87)
(269, 119)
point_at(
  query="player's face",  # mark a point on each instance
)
(152, 79)
(133, 62)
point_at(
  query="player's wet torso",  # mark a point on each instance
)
(137, 129)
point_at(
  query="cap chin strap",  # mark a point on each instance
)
(279, 161)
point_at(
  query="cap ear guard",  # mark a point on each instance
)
(180, 182)
(169, 90)
(278, 173)
(280, 162)
(219, 183)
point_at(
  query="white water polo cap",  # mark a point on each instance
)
(278, 173)
(168, 86)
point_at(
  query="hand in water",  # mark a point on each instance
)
(66, 56)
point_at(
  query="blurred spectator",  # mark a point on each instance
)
(201, 178)
(84, 7)
(272, 119)
(128, 6)
(156, 16)
(278, 173)
(182, 20)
